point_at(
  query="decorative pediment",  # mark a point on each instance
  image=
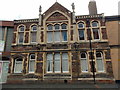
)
(56, 16)
(57, 7)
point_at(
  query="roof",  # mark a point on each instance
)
(7, 23)
(57, 6)
(113, 18)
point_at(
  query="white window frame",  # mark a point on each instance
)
(33, 31)
(53, 31)
(16, 66)
(53, 66)
(34, 63)
(101, 61)
(86, 59)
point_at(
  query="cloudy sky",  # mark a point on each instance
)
(27, 9)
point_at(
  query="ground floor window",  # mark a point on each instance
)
(32, 63)
(18, 65)
(84, 62)
(57, 63)
(99, 61)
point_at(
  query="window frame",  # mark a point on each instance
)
(31, 32)
(60, 31)
(102, 60)
(82, 29)
(15, 61)
(34, 63)
(20, 32)
(53, 63)
(86, 59)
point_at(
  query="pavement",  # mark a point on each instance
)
(66, 86)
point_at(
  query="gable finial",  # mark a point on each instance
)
(56, 0)
(73, 7)
(40, 9)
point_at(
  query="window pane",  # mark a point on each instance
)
(64, 26)
(57, 36)
(34, 28)
(81, 35)
(94, 24)
(18, 66)
(21, 28)
(32, 56)
(95, 34)
(65, 62)
(84, 64)
(64, 35)
(50, 27)
(33, 37)
(81, 25)
(100, 66)
(57, 63)
(57, 27)
(32, 66)
(49, 63)
(21, 37)
(49, 36)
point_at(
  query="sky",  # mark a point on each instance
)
(29, 9)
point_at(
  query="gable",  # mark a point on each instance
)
(56, 6)
(56, 16)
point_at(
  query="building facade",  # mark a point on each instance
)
(60, 47)
(6, 32)
(113, 30)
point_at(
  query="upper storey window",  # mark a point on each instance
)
(21, 34)
(81, 25)
(33, 34)
(95, 24)
(64, 26)
(50, 27)
(81, 31)
(21, 29)
(57, 26)
(34, 28)
(57, 34)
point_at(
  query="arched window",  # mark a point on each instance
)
(33, 34)
(49, 27)
(57, 26)
(49, 63)
(84, 62)
(81, 25)
(81, 31)
(95, 30)
(95, 24)
(99, 60)
(32, 63)
(57, 34)
(64, 26)
(21, 30)
(34, 28)
(18, 65)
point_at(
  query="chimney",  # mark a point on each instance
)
(92, 7)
